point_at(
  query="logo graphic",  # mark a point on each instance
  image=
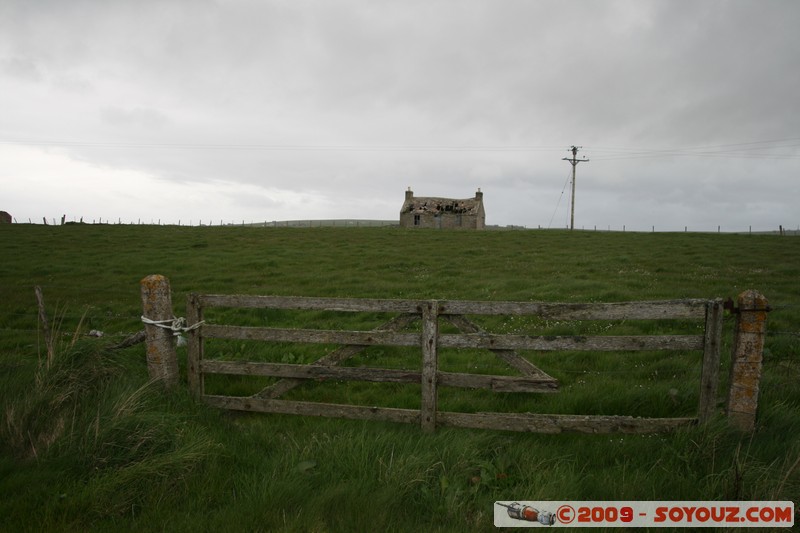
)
(529, 514)
(672, 514)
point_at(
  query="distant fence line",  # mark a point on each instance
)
(302, 223)
(365, 223)
(348, 223)
(781, 230)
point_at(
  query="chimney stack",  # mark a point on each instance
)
(479, 195)
(409, 194)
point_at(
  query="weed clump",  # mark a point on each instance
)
(121, 442)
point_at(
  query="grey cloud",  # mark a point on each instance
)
(22, 69)
(140, 117)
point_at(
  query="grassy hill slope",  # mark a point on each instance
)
(87, 444)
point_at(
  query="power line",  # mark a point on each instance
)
(566, 182)
(749, 150)
(285, 147)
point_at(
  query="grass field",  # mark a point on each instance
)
(87, 444)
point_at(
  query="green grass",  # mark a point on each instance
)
(88, 444)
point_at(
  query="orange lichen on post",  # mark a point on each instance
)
(162, 358)
(746, 361)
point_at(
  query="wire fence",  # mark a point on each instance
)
(369, 223)
(299, 223)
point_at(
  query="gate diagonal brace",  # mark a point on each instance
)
(511, 357)
(333, 358)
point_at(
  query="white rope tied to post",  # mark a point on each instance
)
(176, 324)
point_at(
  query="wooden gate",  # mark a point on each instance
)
(429, 340)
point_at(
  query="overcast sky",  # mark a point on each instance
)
(688, 111)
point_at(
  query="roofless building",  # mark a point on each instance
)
(442, 213)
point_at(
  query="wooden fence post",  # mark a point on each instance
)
(709, 376)
(48, 334)
(746, 358)
(162, 358)
(430, 365)
(194, 313)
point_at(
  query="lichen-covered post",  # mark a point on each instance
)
(746, 359)
(162, 358)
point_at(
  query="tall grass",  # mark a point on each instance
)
(90, 444)
(110, 442)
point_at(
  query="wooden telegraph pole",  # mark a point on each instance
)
(574, 160)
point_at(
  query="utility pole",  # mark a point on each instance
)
(574, 162)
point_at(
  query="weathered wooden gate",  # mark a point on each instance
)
(532, 379)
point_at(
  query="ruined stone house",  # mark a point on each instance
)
(442, 213)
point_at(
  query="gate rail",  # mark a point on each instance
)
(429, 340)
